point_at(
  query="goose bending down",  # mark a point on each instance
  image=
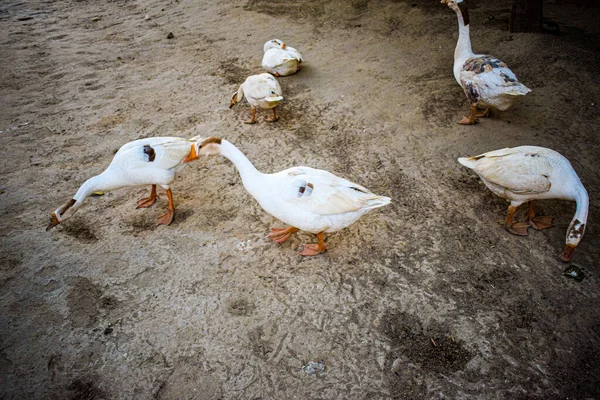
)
(308, 199)
(486, 81)
(262, 91)
(527, 173)
(279, 59)
(151, 161)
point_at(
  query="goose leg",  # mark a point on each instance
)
(253, 120)
(275, 117)
(167, 218)
(145, 203)
(516, 228)
(471, 119)
(538, 223)
(314, 249)
(485, 113)
(280, 235)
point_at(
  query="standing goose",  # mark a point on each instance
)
(529, 173)
(262, 91)
(280, 59)
(308, 199)
(487, 81)
(150, 161)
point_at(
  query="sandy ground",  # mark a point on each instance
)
(426, 298)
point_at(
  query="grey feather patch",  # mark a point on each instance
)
(305, 189)
(150, 152)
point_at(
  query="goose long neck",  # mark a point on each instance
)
(248, 172)
(463, 48)
(93, 184)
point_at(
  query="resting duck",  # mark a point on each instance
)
(487, 81)
(279, 59)
(151, 161)
(262, 91)
(305, 198)
(529, 173)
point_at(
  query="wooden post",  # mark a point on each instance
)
(526, 16)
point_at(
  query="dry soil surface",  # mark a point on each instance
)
(426, 298)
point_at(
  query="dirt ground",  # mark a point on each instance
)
(427, 298)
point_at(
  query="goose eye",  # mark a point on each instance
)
(272, 92)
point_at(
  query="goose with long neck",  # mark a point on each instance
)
(527, 173)
(261, 91)
(280, 59)
(151, 161)
(305, 198)
(487, 82)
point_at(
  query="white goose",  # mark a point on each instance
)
(151, 161)
(487, 81)
(262, 91)
(280, 59)
(309, 199)
(529, 173)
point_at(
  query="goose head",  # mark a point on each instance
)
(195, 148)
(274, 44)
(210, 146)
(453, 4)
(574, 236)
(62, 213)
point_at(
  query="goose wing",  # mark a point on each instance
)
(322, 193)
(262, 86)
(487, 73)
(159, 152)
(519, 171)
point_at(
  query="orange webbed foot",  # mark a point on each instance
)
(540, 223)
(147, 202)
(280, 235)
(312, 250)
(166, 219)
(518, 228)
(484, 114)
(468, 121)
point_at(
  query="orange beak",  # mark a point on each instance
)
(568, 253)
(54, 221)
(192, 156)
(283, 46)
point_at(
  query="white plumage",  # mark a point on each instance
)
(261, 91)
(526, 173)
(306, 198)
(280, 59)
(486, 81)
(150, 161)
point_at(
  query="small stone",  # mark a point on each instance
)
(170, 35)
(108, 330)
(147, 17)
(574, 272)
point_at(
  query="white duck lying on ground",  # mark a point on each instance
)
(529, 173)
(307, 199)
(279, 59)
(150, 161)
(262, 91)
(487, 81)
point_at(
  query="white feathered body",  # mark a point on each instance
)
(281, 61)
(314, 200)
(526, 173)
(132, 165)
(262, 91)
(310, 199)
(488, 82)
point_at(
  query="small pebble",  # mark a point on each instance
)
(574, 272)
(170, 35)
